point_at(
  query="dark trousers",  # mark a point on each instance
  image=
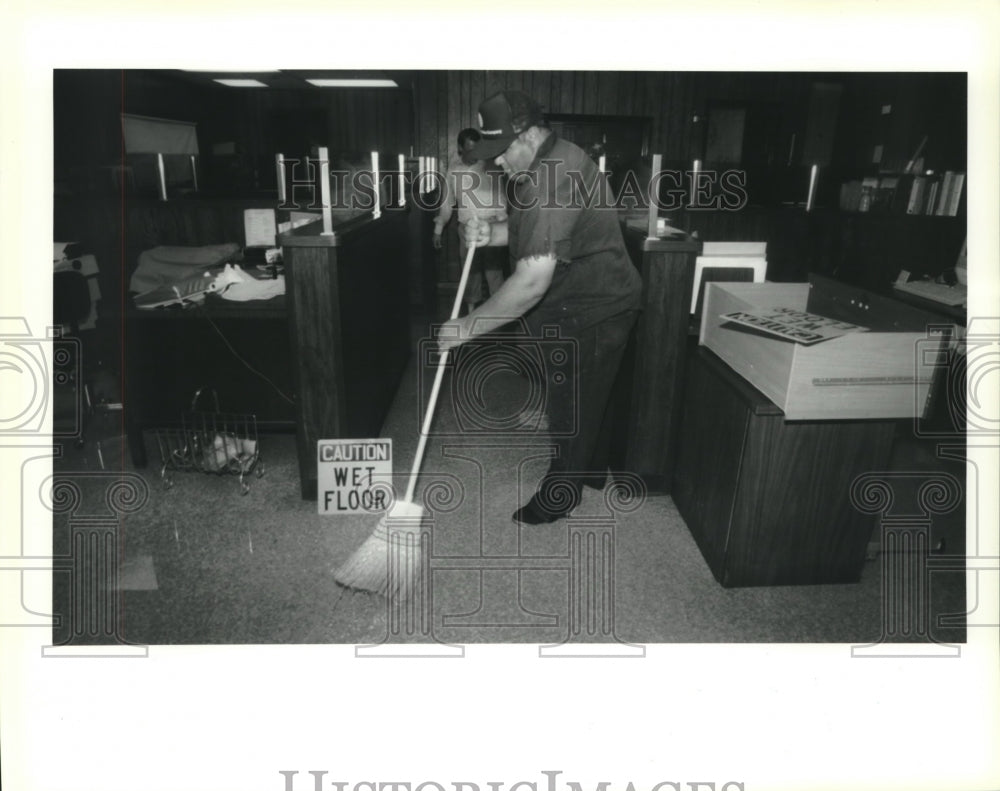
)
(576, 423)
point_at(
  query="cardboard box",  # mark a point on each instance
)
(885, 372)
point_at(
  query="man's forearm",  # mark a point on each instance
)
(518, 294)
(447, 205)
(443, 218)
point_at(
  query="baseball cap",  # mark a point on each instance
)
(501, 118)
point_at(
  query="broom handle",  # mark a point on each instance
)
(438, 376)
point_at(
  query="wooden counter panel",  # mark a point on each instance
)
(349, 330)
(712, 439)
(767, 500)
(375, 329)
(793, 518)
(649, 389)
(312, 282)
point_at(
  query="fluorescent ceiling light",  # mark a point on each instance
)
(323, 82)
(236, 83)
(214, 70)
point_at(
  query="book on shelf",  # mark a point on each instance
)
(892, 193)
(944, 192)
(944, 197)
(869, 188)
(918, 195)
(882, 199)
(954, 198)
(932, 195)
(901, 194)
(850, 195)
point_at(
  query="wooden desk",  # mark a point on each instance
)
(348, 325)
(647, 397)
(171, 353)
(768, 500)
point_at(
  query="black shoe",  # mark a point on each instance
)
(531, 514)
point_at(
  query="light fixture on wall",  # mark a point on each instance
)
(327, 82)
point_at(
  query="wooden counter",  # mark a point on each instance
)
(647, 397)
(348, 324)
(172, 353)
(768, 500)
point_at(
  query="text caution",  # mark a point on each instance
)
(354, 475)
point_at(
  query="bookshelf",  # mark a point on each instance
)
(901, 145)
(899, 140)
(927, 194)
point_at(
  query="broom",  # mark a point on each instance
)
(390, 562)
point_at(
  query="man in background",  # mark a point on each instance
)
(478, 193)
(570, 269)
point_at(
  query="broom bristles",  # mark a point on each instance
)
(388, 563)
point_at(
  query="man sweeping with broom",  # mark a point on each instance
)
(570, 269)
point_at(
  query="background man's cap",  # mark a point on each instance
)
(501, 118)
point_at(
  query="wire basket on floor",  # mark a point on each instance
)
(212, 442)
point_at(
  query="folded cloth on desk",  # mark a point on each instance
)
(162, 266)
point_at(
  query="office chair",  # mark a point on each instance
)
(70, 307)
(70, 300)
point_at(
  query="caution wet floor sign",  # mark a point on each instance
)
(354, 475)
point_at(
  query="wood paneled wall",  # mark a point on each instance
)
(675, 102)
(350, 120)
(448, 101)
(429, 109)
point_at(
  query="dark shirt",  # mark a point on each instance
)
(550, 213)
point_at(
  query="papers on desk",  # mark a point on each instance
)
(663, 229)
(297, 219)
(793, 325)
(246, 288)
(952, 296)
